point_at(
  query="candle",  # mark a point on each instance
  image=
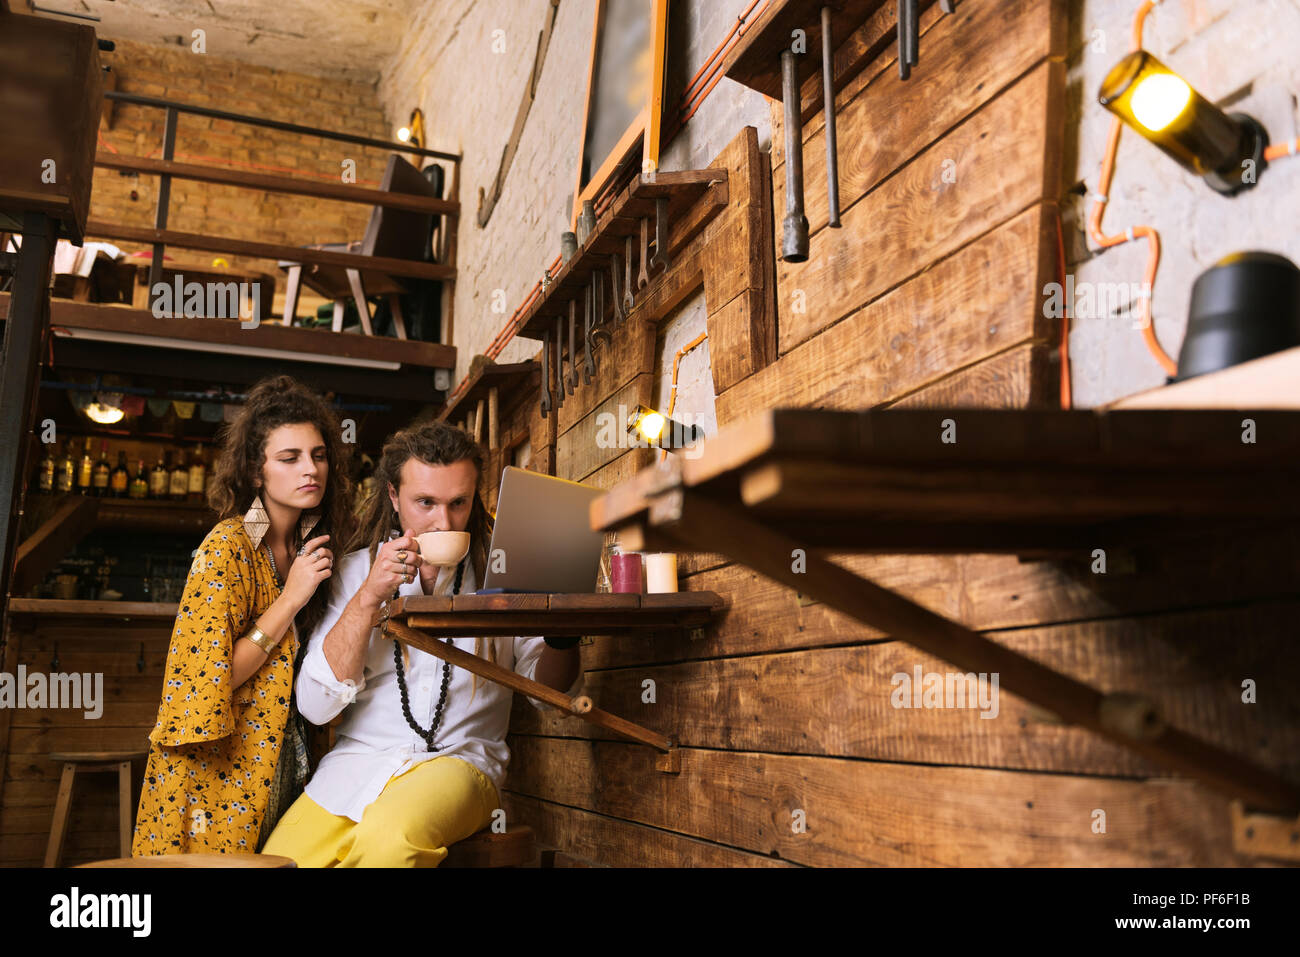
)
(661, 573)
(626, 572)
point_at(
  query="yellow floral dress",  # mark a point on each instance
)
(213, 760)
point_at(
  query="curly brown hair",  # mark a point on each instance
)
(434, 443)
(271, 403)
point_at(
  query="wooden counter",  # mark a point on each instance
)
(55, 607)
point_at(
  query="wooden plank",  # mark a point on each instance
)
(1266, 383)
(872, 814)
(257, 250)
(615, 843)
(249, 179)
(631, 353)
(1019, 378)
(917, 218)
(621, 468)
(886, 121)
(948, 317)
(227, 332)
(45, 607)
(54, 539)
(838, 701)
(601, 435)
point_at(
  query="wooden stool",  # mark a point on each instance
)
(514, 848)
(89, 761)
(197, 860)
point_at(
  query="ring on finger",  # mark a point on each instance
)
(401, 556)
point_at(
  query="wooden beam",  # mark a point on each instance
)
(53, 540)
(308, 343)
(277, 251)
(278, 184)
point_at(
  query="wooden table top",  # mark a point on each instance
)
(972, 480)
(557, 614)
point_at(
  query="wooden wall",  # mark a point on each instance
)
(130, 703)
(928, 296)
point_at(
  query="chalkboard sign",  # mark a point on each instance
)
(624, 92)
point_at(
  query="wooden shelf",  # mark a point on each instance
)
(119, 323)
(507, 379)
(755, 61)
(687, 217)
(775, 491)
(1022, 482)
(53, 607)
(1270, 382)
(557, 614)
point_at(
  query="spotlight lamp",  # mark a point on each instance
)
(413, 131)
(1225, 149)
(659, 430)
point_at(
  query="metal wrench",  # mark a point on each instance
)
(547, 404)
(597, 302)
(572, 382)
(627, 278)
(660, 258)
(617, 300)
(559, 361)
(643, 279)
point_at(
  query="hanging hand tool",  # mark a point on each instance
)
(559, 361)
(660, 258)
(546, 374)
(794, 234)
(616, 299)
(627, 277)
(597, 307)
(573, 371)
(644, 279)
(909, 36)
(828, 110)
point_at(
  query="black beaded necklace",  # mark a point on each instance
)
(428, 736)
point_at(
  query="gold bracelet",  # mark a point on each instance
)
(260, 638)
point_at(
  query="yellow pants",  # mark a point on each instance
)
(411, 823)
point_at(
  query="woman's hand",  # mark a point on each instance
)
(396, 563)
(313, 566)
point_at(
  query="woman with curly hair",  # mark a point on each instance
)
(228, 754)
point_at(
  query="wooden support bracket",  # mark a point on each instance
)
(1265, 835)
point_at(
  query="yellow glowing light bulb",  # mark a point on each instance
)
(104, 414)
(1159, 100)
(404, 134)
(651, 425)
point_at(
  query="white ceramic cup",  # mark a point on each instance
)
(660, 572)
(443, 548)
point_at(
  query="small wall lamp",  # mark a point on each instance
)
(659, 430)
(413, 131)
(1226, 150)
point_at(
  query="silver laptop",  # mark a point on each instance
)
(542, 540)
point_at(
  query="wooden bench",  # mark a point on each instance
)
(514, 848)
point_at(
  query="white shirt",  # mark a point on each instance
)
(374, 742)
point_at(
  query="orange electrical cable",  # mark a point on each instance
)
(1067, 399)
(672, 392)
(1102, 197)
(1278, 150)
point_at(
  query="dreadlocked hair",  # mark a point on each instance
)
(433, 443)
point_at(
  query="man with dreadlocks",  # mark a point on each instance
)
(421, 749)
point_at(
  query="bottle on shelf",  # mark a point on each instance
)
(197, 476)
(121, 477)
(140, 484)
(102, 474)
(67, 477)
(158, 479)
(48, 467)
(178, 484)
(85, 474)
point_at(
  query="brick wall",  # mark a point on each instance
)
(1223, 49)
(179, 74)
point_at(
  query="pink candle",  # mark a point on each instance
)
(626, 573)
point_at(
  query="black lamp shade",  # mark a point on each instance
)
(1245, 306)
